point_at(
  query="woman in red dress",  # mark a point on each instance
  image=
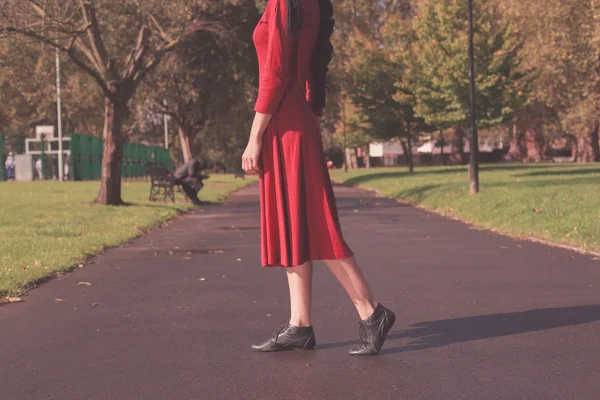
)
(299, 219)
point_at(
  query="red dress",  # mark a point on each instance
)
(299, 219)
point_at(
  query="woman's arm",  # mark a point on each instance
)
(252, 153)
(274, 80)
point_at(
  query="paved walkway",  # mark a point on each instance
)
(172, 315)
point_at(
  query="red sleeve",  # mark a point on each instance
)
(276, 72)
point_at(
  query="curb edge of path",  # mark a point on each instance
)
(33, 284)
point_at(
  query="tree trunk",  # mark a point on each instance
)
(588, 146)
(110, 185)
(409, 153)
(353, 159)
(533, 145)
(516, 143)
(367, 157)
(574, 146)
(458, 149)
(186, 137)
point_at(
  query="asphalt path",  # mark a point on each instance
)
(172, 316)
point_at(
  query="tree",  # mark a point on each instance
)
(28, 92)
(112, 42)
(442, 80)
(356, 20)
(207, 75)
(561, 43)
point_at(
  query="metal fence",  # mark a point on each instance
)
(85, 161)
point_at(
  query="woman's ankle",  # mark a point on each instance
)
(365, 308)
(300, 322)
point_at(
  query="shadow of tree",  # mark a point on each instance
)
(565, 172)
(434, 334)
(419, 193)
(382, 174)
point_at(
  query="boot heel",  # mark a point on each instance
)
(310, 343)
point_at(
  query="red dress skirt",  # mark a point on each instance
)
(299, 218)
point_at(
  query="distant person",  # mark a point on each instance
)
(300, 221)
(38, 168)
(10, 166)
(66, 168)
(190, 177)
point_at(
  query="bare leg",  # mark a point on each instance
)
(300, 284)
(350, 276)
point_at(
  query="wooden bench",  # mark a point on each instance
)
(162, 183)
(239, 173)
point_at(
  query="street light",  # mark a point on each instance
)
(474, 141)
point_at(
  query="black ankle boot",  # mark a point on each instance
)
(289, 337)
(373, 331)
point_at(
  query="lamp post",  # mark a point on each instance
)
(166, 126)
(345, 137)
(59, 119)
(474, 140)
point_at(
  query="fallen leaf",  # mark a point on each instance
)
(84, 284)
(537, 210)
(15, 299)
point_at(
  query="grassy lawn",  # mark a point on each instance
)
(559, 203)
(47, 227)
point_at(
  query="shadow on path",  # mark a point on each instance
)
(434, 334)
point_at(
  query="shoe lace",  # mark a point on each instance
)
(283, 326)
(363, 333)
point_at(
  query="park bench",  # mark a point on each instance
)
(162, 183)
(239, 173)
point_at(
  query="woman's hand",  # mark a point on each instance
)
(252, 153)
(251, 156)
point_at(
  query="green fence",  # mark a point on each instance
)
(86, 158)
(2, 158)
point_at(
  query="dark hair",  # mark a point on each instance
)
(294, 16)
(321, 57)
(323, 51)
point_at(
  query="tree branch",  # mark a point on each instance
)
(70, 52)
(136, 58)
(103, 63)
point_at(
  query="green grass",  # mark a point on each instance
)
(558, 203)
(47, 227)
